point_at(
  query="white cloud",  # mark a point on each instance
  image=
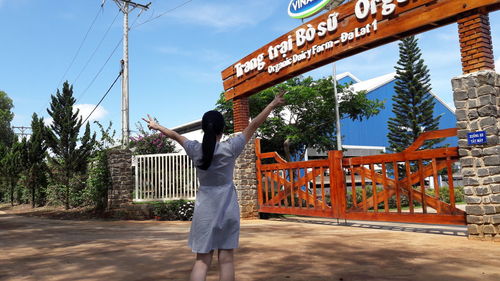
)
(48, 121)
(497, 65)
(227, 16)
(86, 109)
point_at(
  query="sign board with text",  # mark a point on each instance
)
(346, 30)
(476, 138)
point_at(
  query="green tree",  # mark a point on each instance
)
(69, 158)
(33, 155)
(107, 136)
(308, 119)
(6, 116)
(95, 193)
(98, 182)
(3, 152)
(413, 105)
(11, 166)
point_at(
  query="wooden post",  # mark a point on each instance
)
(337, 189)
(475, 42)
(241, 113)
(258, 166)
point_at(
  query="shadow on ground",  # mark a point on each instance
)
(454, 230)
(47, 249)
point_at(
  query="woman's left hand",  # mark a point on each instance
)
(152, 124)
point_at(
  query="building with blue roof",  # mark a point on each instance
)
(373, 131)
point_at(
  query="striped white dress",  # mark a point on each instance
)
(216, 219)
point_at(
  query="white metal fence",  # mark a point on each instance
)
(161, 177)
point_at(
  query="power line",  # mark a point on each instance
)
(105, 63)
(23, 131)
(78, 51)
(96, 49)
(164, 13)
(97, 105)
(100, 70)
(81, 45)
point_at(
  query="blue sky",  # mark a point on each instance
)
(175, 60)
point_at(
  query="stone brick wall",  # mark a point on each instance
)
(245, 179)
(122, 177)
(120, 193)
(477, 101)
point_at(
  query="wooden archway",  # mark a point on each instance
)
(352, 28)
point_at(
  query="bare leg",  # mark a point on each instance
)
(200, 267)
(226, 265)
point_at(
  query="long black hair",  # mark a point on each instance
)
(212, 124)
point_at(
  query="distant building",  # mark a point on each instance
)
(373, 131)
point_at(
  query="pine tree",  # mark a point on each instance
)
(34, 154)
(11, 166)
(413, 104)
(69, 158)
(6, 116)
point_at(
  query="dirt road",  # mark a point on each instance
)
(292, 249)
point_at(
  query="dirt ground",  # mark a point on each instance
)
(37, 248)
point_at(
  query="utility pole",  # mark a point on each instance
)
(23, 131)
(124, 6)
(337, 113)
(330, 6)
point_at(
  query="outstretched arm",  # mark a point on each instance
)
(153, 125)
(257, 121)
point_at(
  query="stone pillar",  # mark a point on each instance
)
(477, 102)
(122, 177)
(241, 113)
(245, 179)
(245, 175)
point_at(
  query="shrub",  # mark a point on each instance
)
(444, 193)
(95, 193)
(174, 210)
(55, 193)
(151, 144)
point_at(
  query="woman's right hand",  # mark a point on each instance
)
(278, 99)
(152, 124)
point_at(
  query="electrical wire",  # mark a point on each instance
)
(80, 47)
(96, 49)
(105, 63)
(77, 52)
(103, 97)
(112, 53)
(100, 70)
(164, 13)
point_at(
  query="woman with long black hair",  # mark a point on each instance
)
(216, 219)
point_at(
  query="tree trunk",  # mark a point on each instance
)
(286, 148)
(67, 190)
(66, 204)
(32, 196)
(11, 192)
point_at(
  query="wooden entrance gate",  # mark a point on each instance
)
(403, 187)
